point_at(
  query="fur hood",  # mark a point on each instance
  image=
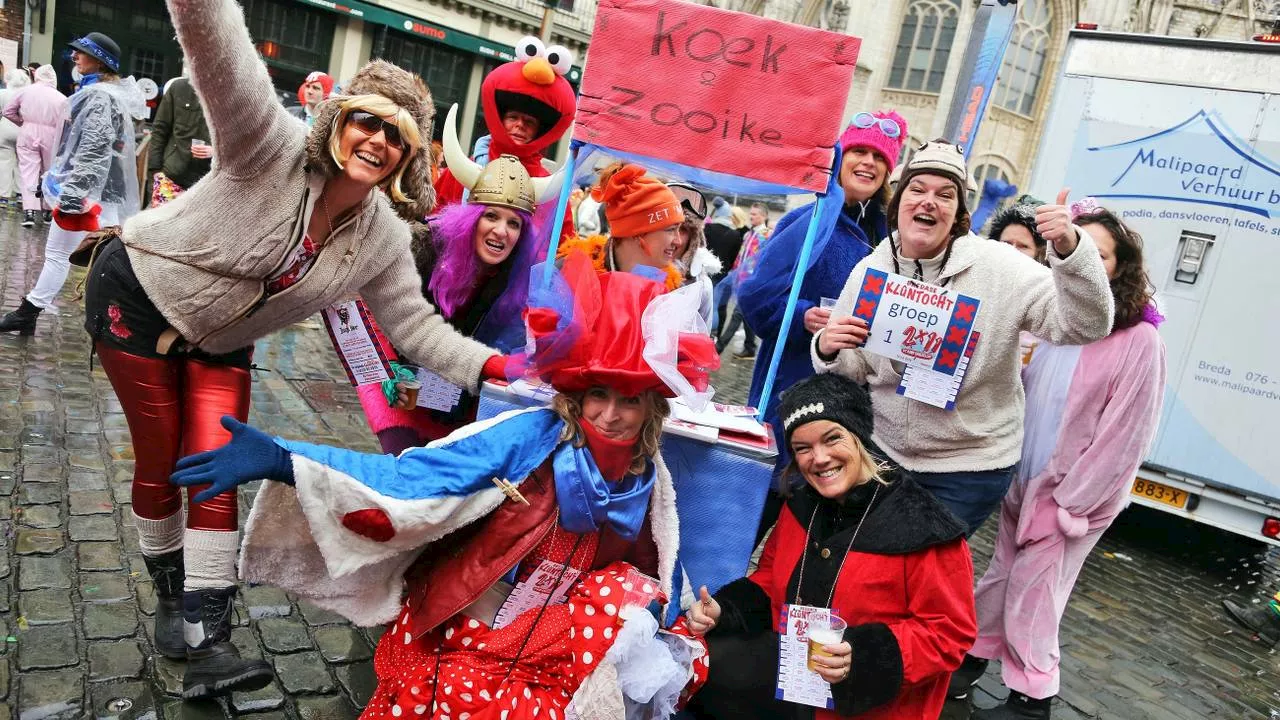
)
(405, 89)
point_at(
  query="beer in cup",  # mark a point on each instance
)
(410, 388)
(829, 633)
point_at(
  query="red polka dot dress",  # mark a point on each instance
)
(463, 669)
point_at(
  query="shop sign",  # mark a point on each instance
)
(421, 28)
(723, 91)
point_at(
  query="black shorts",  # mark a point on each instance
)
(118, 312)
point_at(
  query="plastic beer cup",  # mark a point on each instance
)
(830, 633)
(410, 388)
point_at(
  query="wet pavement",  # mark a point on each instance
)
(1143, 637)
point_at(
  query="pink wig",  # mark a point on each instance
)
(457, 271)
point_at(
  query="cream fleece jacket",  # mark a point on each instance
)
(1068, 305)
(203, 259)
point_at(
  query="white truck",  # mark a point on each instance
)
(1181, 136)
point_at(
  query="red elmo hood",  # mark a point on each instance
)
(507, 88)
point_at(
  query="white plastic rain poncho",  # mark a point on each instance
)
(95, 159)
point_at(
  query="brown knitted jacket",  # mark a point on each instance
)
(203, 259)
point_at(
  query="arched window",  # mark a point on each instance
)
(924, 44)
(1023, 64)
(980, 175)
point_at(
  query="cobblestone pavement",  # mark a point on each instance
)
(1143, 637)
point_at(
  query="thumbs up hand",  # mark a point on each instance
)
(1054, 224)
(704, 614)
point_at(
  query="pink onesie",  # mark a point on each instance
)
(1092, 412)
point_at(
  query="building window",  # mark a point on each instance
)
(924, 44)
(148, 63)
(298, 37)
(1023, 64)
(445, 70)
(982, 173)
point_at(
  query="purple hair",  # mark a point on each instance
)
(457, 271)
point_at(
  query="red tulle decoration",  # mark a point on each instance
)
(603, 344)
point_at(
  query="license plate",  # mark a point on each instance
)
(1164, 494)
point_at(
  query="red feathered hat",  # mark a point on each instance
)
(618, 330)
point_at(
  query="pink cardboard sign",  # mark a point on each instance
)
(723, 91)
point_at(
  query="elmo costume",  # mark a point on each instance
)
(534, 83)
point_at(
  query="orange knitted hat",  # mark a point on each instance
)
(635, 203)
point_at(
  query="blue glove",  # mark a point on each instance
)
(250, 455)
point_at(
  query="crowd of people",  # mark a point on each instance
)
(524, 564)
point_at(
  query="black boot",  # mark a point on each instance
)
(23, 319)
(167, 575)
(1017, 707)
(1259, 618)
(214, 665)
(29, 219)
(48, 216)
(966, 676)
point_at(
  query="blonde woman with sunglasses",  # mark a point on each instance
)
(288, 221)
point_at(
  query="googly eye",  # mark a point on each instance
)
(529, 48)
(561, 58)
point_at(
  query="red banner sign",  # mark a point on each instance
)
(723, 91)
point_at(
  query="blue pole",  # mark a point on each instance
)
(554, 246)
(789, 314)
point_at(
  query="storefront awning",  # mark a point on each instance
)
(423, 28)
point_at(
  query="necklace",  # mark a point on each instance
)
(324, 205)
(800, 580)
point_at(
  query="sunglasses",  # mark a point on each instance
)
(888, 126)
(370, 124)
(691, 199)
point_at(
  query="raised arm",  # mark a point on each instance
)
(762, 296)
(246, 121)
(360, 506)
(1071, 304)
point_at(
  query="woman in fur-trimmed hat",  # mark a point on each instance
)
(287, 222)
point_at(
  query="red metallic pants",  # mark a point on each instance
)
(173, 407)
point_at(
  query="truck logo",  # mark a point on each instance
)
(1200, 160)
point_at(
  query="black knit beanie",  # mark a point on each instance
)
(827, 397)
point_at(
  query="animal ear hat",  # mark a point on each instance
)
(403, 88)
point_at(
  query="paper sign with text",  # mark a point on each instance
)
(796, 682)
(915, 322)
(719, 90)
(362, 357)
